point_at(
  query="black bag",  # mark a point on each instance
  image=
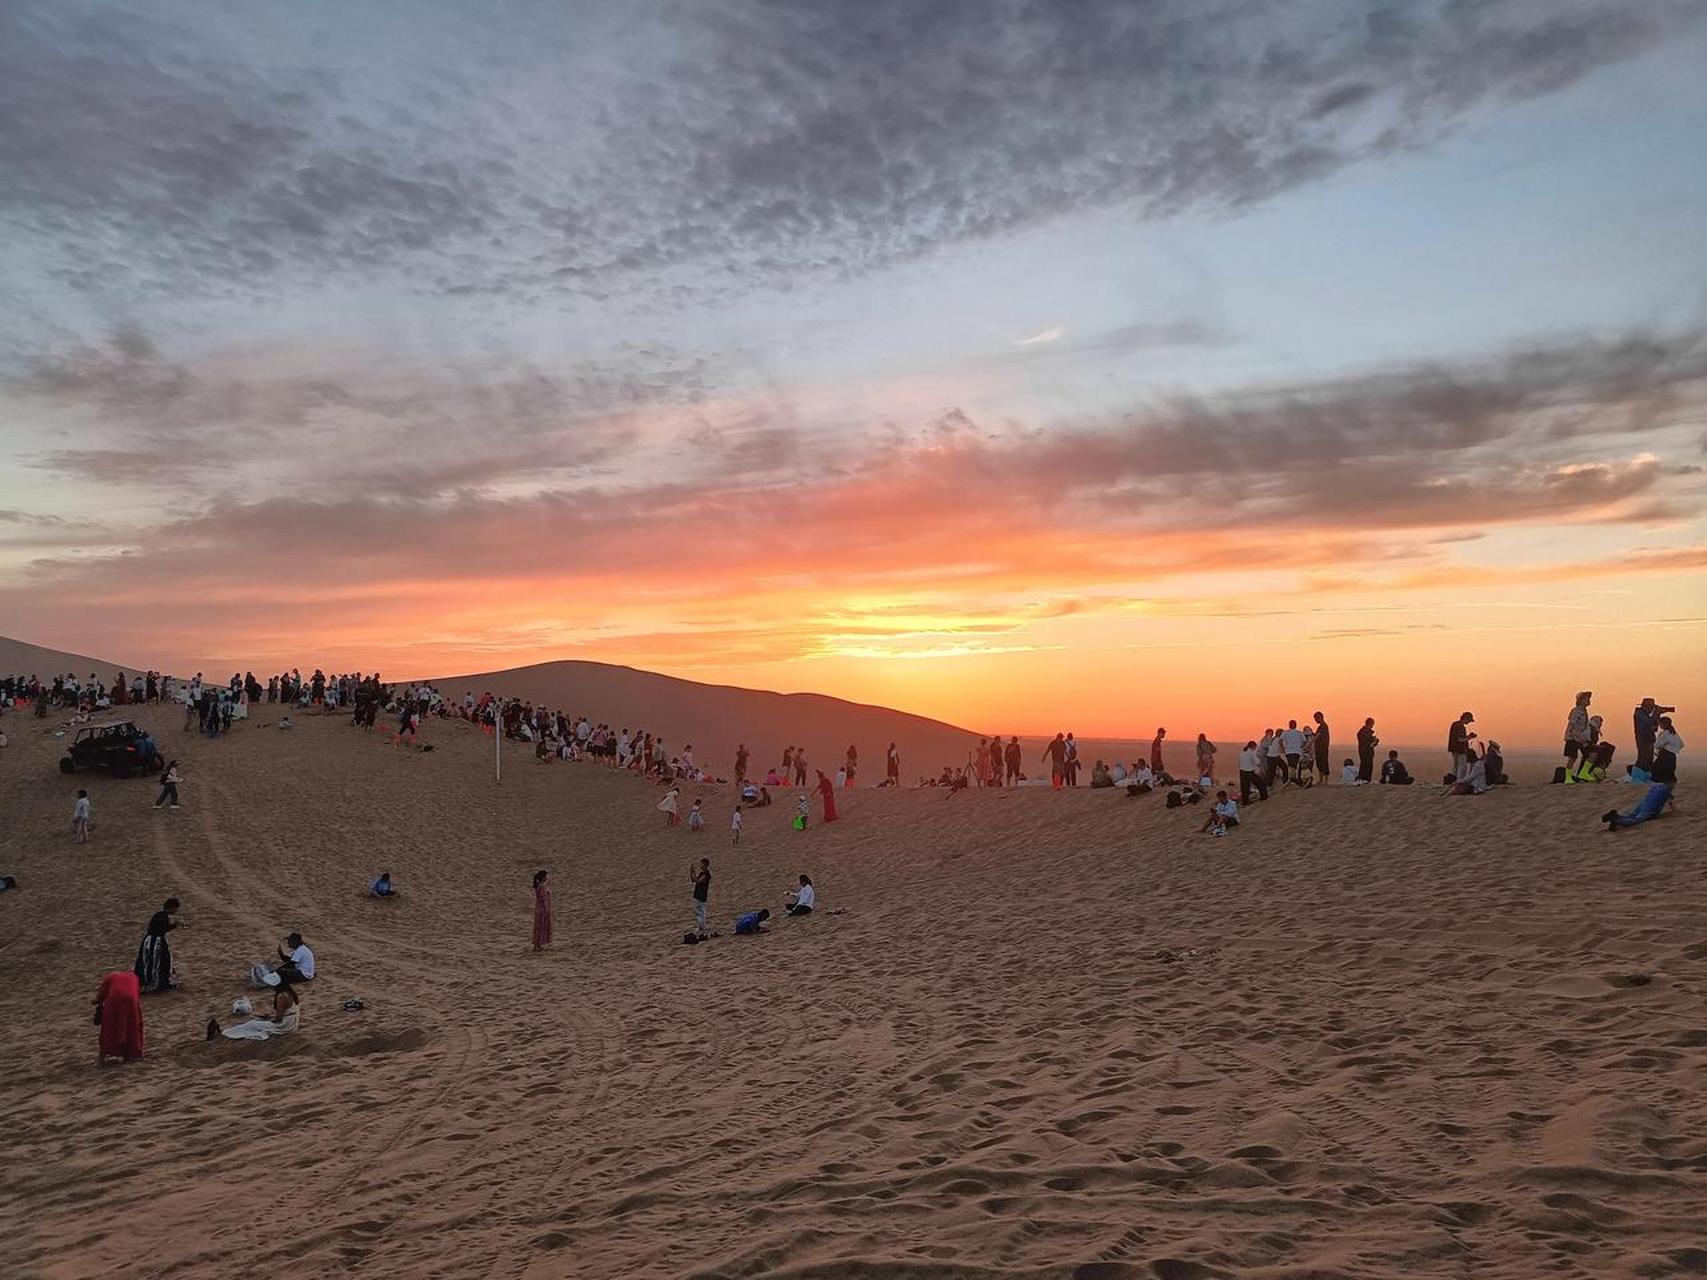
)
(690, 938)
(1174, 801)
(1559, 774)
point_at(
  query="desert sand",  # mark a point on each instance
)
(1372, 1033)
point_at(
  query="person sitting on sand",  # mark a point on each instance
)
(1223, 815)
(118, 1013)
(1472, 777)
(1493, 764)
(382, 887)
(801, 901)
(1652, 805)
(1100, 776)
(285, 723)
(1394, 773)
(1348, 774)
(287, 1017)
(753, 921)
(297, 964)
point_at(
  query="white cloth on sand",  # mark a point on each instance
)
(264, 1028)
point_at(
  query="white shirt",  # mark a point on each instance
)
(1248, 760)
(303, 959)
(1144, 774)
(1348, 774)
(1292, 740)
(1667, 740)
(1273, 747)
(1228, 808)
(735, 820)
(81, 808)
(806, 896)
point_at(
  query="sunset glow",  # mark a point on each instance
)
(808, 354)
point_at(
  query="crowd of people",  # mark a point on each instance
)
(1290, 756)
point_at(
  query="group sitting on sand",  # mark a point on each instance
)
(1293, 756)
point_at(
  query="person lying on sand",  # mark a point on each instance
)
(287, 1017)
(753, 921)
(1652, 805)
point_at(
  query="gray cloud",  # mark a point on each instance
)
(1378, 468)
(593, 147)
(173, 425)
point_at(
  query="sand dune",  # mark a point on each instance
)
(20, 658)
(714, 718)
(1372, 1034)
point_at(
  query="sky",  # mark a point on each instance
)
(1029, 365)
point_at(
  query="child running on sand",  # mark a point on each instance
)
(735, 825)
(80, 818)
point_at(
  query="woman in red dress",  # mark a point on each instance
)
(118, 1012)
(827, 789)
(541, 912)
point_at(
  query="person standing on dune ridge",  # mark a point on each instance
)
(1366, 744)
(1056, 753)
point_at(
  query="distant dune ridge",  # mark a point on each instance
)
(715, 718)
(20, 658)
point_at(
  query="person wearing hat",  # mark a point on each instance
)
(1647, 726)
(1576, 731)
(1458, 739)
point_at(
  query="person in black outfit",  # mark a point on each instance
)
(1394, 772)
(1366, 744)
(154, 956)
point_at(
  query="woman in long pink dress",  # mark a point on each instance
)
(541, 912)
(827, 789)
(118, 1011)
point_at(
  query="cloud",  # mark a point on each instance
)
(758, 543)
(356, 422)
(679, 150)
(1047, 335)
